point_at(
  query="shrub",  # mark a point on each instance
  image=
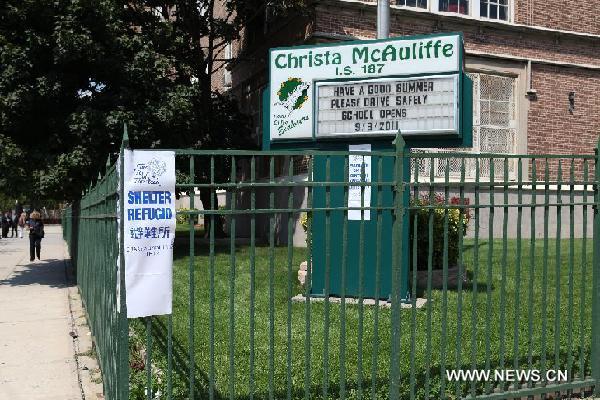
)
(455, 218)
(304, 221)
(304, 217)
(183, 218)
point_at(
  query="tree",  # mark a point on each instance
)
(73, 71)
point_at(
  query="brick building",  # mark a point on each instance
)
(525, 57)
(535, 66)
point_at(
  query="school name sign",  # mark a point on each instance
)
(314, 87)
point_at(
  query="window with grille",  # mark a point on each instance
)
(456, 6)
(494, 9)
(412, 3)
(494, 131)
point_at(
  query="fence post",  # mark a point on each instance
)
(123, 339)
(397, 262)
(596, 279)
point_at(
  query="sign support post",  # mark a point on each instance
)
(383, 19)
(359, 95)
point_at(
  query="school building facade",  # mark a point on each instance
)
(535, 64)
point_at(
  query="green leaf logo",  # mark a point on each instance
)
(293, 93)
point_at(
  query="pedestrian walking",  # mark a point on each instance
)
(21, 224)
(18, 207)
(36, 234)
(14, 224)
(6, 224)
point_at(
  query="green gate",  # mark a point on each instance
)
(503, 282)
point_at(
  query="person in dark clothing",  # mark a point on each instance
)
(16, 217)
(36, 234)
(6, 224)
(14, 224)
(18, 208)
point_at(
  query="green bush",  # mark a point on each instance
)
(183, 218)
(304, 221)
(455, 218)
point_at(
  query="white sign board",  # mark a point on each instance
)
(357, 196)
(295, 71)
(424, 105)
(149, 231)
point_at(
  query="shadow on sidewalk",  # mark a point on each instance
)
(49, 272)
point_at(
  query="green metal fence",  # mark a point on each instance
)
(493, 276)
(91, 232)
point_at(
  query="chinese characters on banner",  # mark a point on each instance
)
(355, 172)
(149, 231)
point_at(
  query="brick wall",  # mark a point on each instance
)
(550, 124)
(568, 15)
(492, 39)
(551, 128)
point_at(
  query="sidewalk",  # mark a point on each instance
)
(39, 358)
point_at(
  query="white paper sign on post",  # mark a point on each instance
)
(355, 171)
(149, 231)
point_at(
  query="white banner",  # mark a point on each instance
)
(149, 231)
(355, 172)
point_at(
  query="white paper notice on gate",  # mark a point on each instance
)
(149, 231)
(355, 174)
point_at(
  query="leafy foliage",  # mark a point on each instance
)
(74, 71)
(11, 159)
(456, 217)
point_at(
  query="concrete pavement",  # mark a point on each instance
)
(40, 312)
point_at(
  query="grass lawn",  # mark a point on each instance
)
(481, 322)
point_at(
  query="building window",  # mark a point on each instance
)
(455, 6)
(226, 72)
(412, 3)
(494, 9)
(228, 52)
(494, 130)
(226, 79)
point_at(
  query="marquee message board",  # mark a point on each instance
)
(304, 79)
(415, 106)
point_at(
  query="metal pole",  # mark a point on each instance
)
(383, 19)
(397, 260)
(123, 347)
(595, 361)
